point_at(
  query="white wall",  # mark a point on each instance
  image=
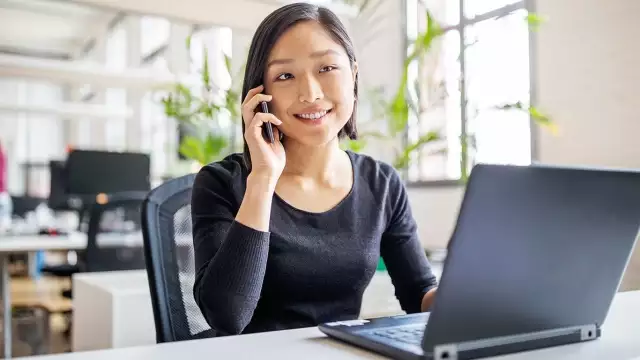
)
(588, 76)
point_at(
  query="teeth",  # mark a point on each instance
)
(314, 115)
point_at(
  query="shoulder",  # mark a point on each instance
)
(229, 169)
(377, 174)
(226, 177)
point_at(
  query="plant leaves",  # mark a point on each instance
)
(227, 63)
(206, 76)
(354, 145)
(399, 109)
(536, 115)
(232, 101)
(402, 160)
(193, 148)
(214, 146)
(534, 21)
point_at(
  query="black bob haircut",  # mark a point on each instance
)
(270, 30)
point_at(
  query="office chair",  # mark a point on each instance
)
(115, 216)
(113, 220)
(117, 219)
(168, 246)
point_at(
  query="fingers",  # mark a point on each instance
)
(252, 92)
(261, 118)
(252, 103)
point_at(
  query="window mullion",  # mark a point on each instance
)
(463, 96)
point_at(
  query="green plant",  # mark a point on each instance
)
(199, 110)
(397, 111)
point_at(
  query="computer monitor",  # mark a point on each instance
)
(58, 195)
(91, 172)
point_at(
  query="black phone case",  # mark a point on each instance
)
(267, 130)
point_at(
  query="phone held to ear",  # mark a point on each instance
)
(267, 130)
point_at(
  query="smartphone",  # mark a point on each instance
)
(267, 129)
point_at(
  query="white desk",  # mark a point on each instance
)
(27, 244)
(32, 243)
(111, 310)
(71, 241)
(620, 340)
(105, 302)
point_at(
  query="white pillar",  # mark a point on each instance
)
(97, 126)
(135, 136)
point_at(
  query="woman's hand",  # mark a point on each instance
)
(427, 300)
(267, 160)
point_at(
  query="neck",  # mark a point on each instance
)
(319, 163)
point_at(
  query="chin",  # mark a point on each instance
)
(315, 140)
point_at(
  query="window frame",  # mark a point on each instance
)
(460, 26)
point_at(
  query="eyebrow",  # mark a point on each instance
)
(314, 54)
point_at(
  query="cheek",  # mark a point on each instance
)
(280, 102)
(343, 96)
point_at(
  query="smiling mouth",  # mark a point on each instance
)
(313, 116)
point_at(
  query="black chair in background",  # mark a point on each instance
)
(114, 225)
(168, 246)
(114, 240)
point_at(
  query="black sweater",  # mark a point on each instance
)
(309, 268)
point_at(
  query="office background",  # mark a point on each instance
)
(580, 67)
(581, 74)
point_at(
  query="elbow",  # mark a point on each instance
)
(225, 314)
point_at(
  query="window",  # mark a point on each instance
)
(481, 62)
(155, 32)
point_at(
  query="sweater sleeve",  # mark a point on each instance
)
(230, 258)
(402, 252)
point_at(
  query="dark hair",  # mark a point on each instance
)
(270, 30)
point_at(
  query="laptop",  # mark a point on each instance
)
(536, 257)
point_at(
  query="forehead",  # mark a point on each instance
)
(303, 39)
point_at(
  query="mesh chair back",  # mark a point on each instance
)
(114, 236)
(168, 245)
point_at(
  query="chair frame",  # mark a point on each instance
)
(160, 256)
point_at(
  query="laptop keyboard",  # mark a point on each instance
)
(406, 334)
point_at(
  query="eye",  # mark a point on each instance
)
(328, 68)
(284, 76)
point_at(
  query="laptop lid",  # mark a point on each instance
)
(535, 248)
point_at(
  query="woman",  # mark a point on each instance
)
(289, 233)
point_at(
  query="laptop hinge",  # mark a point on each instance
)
(451, 351)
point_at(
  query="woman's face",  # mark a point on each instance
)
(312, 84)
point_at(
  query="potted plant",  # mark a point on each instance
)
(206, 114)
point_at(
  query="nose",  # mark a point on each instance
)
(309, 89)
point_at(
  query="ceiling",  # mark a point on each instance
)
(55, 29)
(61, 29)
